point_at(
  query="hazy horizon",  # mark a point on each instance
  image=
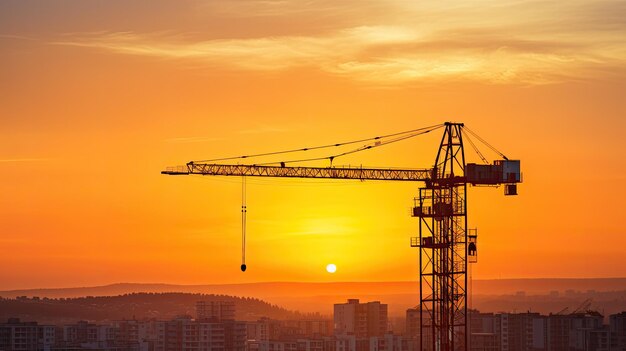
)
(290, 282)
(308, 297)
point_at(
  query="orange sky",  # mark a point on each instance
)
(97, 98)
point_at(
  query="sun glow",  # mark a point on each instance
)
(331, 268)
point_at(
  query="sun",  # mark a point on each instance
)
(331, 268)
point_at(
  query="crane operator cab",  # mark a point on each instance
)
(501, 172)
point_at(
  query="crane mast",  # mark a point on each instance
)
(441, 207)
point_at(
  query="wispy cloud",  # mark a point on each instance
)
(17, 37)
(507, 48)
(23, 160)
(271, 53)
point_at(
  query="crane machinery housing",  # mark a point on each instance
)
(445, 245)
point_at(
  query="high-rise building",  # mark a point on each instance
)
(360, 319)
(507, 331)
(85, 334)
(310, 327)
(183, 333)
(16, 335)
(484, 342)
(617, 324)
(414, 331)
(525, 331)
(413, 322)
(186, 334)
(142, 334)
(216, 310)
(535, 332)
(577, 331)
(587, 332)
(235, 335)
(265, 329)
(483, 331)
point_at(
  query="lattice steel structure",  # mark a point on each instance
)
(301, 172)
(442, 211)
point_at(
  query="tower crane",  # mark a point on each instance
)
(441, 207)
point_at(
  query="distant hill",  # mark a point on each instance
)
(296, 289)
(128, 306)
(609, 294)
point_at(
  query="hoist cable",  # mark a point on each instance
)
(244, 210)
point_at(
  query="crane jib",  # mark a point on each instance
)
(357, 173)
(475, 174)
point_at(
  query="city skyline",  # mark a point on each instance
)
(101, 97)
(353, 326)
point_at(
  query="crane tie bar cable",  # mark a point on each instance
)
(362, 148)
(480, 154)
(321, 146)
(486, 143)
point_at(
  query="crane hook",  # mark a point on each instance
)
(244, 210)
